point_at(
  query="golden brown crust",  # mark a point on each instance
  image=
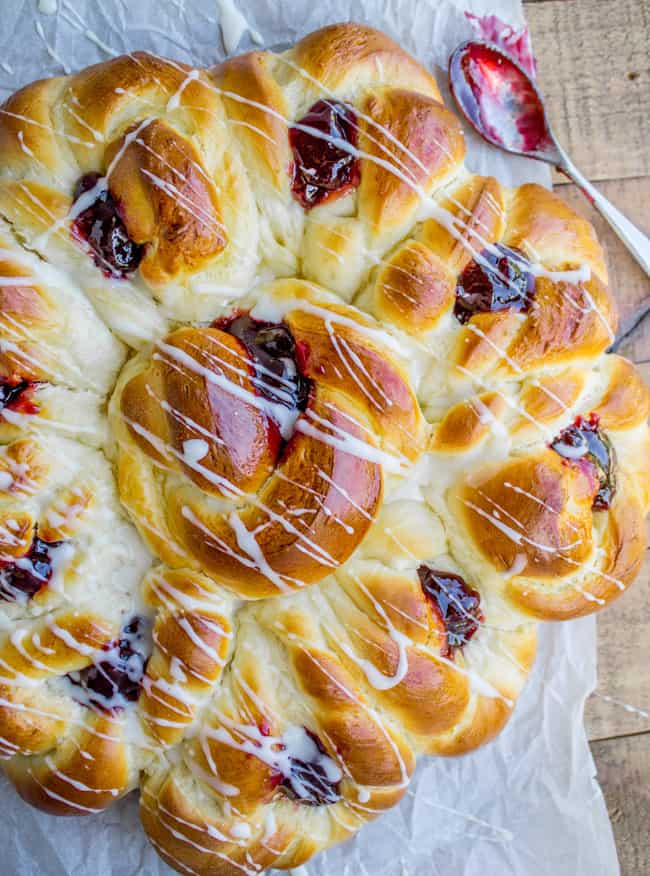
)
(372, 753)
(255, 102)
(542, 225)
(88, 772)
(430, 142)
(329, 468)
(555, 333)
(275, 718)
(167, 200)
(626, 400)
(622, 549)
(308, 466)
(513, 527)
(342, 53)
(477, 205)
(414, 288)
(466, 424)
(103, 94)
(191, 647)
(547, 398)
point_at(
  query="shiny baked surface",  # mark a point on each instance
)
(259, 594)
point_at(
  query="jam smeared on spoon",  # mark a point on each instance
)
(103, 230)
(23, 577)
(515, 42)
(322, 167)
(273, 350)
(585, 444)
(498, 281)
(501, 102)
(16, 395)
(312, 778)
(115, 680)
(498, 98)
(458, 605)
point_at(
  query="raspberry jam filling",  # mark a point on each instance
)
(457, 604)
(499, 281)
(273, 350)
(101, 227)
(584, 443)
(22, 578)
(312, 777)
(115, 680)
(17, 395)
(322, 166)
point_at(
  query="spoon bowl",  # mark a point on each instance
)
(500, 101)
(503, 104)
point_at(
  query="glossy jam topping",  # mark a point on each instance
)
(273, 350)
(115, 679)
(497, 281)
(312, 778)
(498, 98)
(457, 604)
(17, 395)
(22, 578)
(101, 227)
(584, 443)
(323, 165)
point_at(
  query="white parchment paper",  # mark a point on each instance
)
(526, 805)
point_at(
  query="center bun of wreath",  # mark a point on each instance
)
(250, 462)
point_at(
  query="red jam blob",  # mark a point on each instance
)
(584, 443)
(497, 281)
(115, 680)
(313, 779)
(102, 229)
(273, 350)
(16, 395)
(322, 167)
(23, 577)
(458, 605)
(499, 99)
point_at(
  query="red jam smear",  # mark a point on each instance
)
(272, 348)
(23, 577)
(584, 443)
(458, 605)
(113, 682)
(308, 782)
(498, 98)
(515, 42)
(102, 229)
(17, 395)
(497, 281)
(322, 169)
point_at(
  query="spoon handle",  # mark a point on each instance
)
(637, 242)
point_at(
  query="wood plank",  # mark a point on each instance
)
(623, 660)
(623, 643)
(624, 775)
(629, 283)
(594, 71)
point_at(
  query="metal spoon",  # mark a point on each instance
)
(502, 103)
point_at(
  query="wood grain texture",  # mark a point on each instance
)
(623, 661)
(594, 71)
(623, 771)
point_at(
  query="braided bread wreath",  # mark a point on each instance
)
(303, 426)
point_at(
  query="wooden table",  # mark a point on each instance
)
(594, 70)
